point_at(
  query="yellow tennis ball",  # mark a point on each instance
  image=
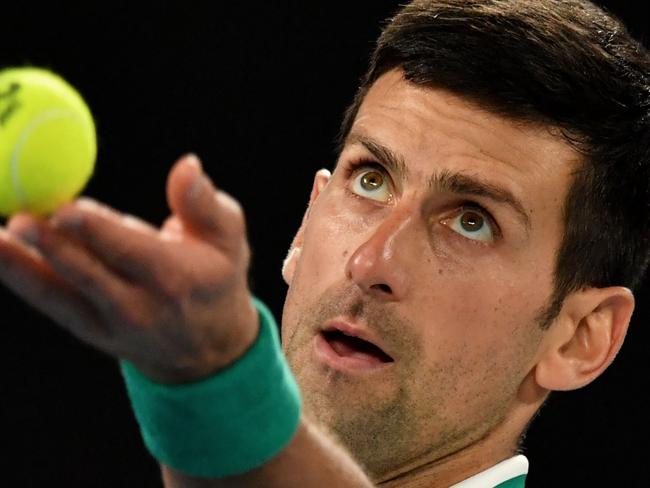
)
(47, 141)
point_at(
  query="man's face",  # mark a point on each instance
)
(444, 256)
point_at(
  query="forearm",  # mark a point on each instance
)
(311, 459)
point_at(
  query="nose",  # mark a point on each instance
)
(378, 266)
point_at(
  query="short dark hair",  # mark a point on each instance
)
(567, 65)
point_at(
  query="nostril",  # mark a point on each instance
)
(383, 287)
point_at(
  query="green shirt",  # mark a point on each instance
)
(517, 482)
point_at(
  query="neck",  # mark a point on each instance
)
(496, 445)
(450, 469)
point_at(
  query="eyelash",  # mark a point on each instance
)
(356, 166)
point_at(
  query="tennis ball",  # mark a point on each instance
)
(47, 141)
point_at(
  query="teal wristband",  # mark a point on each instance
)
(226, 424)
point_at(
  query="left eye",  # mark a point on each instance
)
(472, 224)
(371, 184)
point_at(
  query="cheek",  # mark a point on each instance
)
(478, 346)
(329, 239)
(323, 253)
(325, 250)
(480, 307)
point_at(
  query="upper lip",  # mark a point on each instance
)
(354, 330)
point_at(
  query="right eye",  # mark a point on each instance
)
(372, 184)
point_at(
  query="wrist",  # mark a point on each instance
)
(225, 424)
(238, 339)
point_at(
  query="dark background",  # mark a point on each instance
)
(256, 89)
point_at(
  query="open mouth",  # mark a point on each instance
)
(348, 346)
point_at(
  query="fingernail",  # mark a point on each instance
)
(70, 221)
(24, 227)
(199, 185)
(68, 217)
(193, 160)
(29, 234)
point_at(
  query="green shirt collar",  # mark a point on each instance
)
(510, 473)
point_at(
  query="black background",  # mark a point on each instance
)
(257, 90)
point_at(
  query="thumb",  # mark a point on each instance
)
(204, 211)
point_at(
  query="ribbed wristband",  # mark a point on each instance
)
(228, 423)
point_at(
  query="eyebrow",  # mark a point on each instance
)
(385, 155)
(462, 184)
(445, 181)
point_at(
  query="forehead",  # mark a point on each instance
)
(435, 129)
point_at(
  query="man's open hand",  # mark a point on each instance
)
(174, 301)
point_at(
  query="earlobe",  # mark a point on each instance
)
(585, 338)
(321, 179)
(289, 264)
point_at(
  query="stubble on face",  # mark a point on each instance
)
(393, 419)
(363, 418)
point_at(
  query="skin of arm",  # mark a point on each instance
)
(312, 458)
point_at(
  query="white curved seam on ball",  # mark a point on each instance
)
(15, 156)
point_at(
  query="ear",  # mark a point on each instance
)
(321, 179)
(585, 338)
